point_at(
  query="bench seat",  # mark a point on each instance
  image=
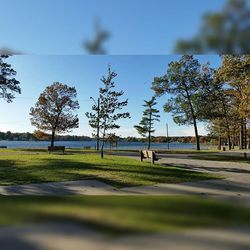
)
(56, 148)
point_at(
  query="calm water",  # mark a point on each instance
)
(80, 144)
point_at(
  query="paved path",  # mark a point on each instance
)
(236, 185)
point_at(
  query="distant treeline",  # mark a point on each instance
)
(178, 139)
(158, 139)
(31, 137)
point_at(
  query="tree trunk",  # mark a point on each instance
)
(98, 143)
(149, 140)
(248, 143)
(98, 126)
(195, 123)
(228, 135)
(219, 143)
(229, 142)
(52, 138)
(245, 133)
(196, 135)
(149, 132)
(102, 153)
(241, 141)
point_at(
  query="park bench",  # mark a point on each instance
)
(148, 154)
(3, 146)
(87, 148)
(56, 148)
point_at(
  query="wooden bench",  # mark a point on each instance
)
(148, 154)
(56, 148)
(3, 146)
(87, 148)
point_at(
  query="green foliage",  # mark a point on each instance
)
(193, 91)
(150, 115)
(234, 100)
(235, 71)
(54, 110)
(109, 108)
(8, 84)
(96, 45)
(225, 32)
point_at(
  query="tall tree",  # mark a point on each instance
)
(235, 71)
(96, 45)
(94, 121)
(110, 106)
(8, 83)
(54, 110)
(226, 123)
(150, 115)
(224, 32)
(192, 90)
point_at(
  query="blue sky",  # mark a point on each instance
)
(136, 26)
(135, 74)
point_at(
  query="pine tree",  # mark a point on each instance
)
(110, 106)
(191, 86)
(8, 83)
(150, 115)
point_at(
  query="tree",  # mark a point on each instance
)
(224, 32)
(113, 139)
(8, 84)
(94, 121)
(235, 72)
(191, 85)
(96, 45)
(54, 110)
(150, 115)
(110, 106)
(40, 135)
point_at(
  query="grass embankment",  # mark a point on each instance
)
(118, 215)
(36, 166)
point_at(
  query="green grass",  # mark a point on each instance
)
(36, 166)
(124, 214)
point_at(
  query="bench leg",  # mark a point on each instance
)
(141, 156)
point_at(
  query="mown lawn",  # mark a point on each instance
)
(124, 214)
(36, 166)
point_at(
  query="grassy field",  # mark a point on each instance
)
(119, 215)
(36, 166)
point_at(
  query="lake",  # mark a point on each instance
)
(81, 144)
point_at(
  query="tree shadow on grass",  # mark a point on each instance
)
(123, 175)
(109, 171)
